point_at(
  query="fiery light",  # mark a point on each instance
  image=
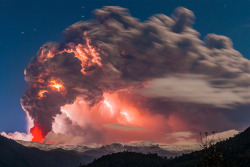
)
(48, 142)
(129, 122)
(126, 115)
(95, 55)
(45, 56)
(86, 54)
(58, 85)
(41, 93)
(109, 106)
(113, 72)
(37, 134)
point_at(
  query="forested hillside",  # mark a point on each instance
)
(233, 152)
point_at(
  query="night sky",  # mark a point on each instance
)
(26, 25)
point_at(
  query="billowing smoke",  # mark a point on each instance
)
(159, 69)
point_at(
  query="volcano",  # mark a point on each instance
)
(117, 79)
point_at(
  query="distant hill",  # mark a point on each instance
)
(32, 154)
(128, 159)
(233, 152)
(96, 151)
(13, 154)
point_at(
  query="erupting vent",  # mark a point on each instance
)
(37, 134)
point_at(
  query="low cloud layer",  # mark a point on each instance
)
(17, 136)
(200, 89)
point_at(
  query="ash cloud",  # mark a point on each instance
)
(161, 58)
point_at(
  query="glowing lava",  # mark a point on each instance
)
(37, 134)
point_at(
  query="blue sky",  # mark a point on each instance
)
(26, 25)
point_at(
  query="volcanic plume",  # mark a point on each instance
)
(115, 78)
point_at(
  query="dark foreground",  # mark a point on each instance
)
(234, 152)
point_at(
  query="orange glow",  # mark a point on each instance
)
(115, 110)
(122, 119)
(41, 93)
(45, 56)
(126, 115)
(95, 55)
(48, 142)
(109, 106)
(58, 85)
(37, 134)
(86, 54)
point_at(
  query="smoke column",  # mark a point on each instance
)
(122, 75)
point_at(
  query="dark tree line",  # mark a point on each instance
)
(233, 152)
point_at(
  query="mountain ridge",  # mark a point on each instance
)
(29, 154)
(233, 152)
